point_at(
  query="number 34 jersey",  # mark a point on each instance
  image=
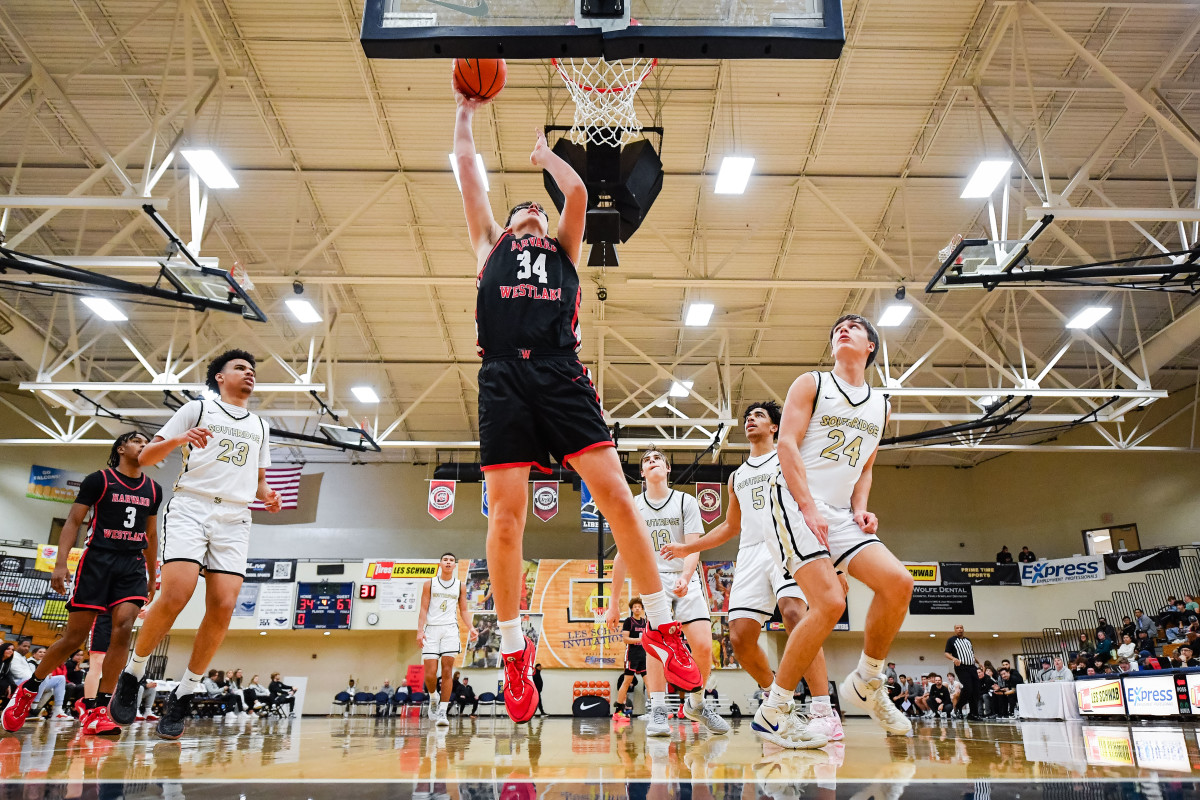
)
(670, 520)
(846, 426)
(227, 467)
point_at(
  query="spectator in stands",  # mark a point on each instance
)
(390, 692)
(893, 688)
(1127, 626)
(1079, 666)
(260, 692)
(55, 686)
(921, 694)
(1190, 603)
(1183, 621)
(953, 686)
(1146, 630)
(1026, 556)
(1150, 661)
(1109, 631)
(281, 693)
(1184, 658)
(8, 651)
(466, 695)
(1060, 671)
(890, 671)
(938, 700)
(1004, 557)
(231, 704)
(1104, 646)
(538, 683)
(1084, 647)
(75, 675)
(1005, 693)
(904, 685)
(147, 695)
(1167, 614)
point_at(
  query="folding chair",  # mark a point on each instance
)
(488, 699)
(400, 698)
(362, 699)
(342, 699)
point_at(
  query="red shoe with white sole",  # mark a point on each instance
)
(17, 710)
(520, 695)
(665, 643)
(100, 723)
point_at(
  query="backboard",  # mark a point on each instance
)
(543, 29)
(214, 287)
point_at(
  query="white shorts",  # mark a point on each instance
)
(758, 582)
(214, 535)
(693, 606)
(441, 640)
(796, 545)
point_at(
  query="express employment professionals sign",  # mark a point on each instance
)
(1063, 570)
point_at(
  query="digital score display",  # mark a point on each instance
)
(323, 605)
(366, 591)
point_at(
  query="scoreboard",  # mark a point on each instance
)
(321, 605)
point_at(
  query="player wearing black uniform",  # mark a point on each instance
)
(536, 400)
(120, 554)
(635, 655)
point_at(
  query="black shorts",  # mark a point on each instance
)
(101, 635)
(107, 578)
(635, 663)
(530, 410)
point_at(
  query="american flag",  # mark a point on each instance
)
(286, 481)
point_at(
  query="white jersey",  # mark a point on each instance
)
(669, 521)
(752, 488)
(841, 438)
(443, 602)
(227, 467)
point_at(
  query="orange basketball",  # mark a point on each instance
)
(480, 78)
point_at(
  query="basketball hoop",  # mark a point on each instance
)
(946, 251)
(238, 273)
(603, 92)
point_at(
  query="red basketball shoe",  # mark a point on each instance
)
(520, 695)
(100, 723)
(666, 644)
(17, 710)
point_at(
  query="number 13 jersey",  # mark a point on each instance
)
(527, 303)
(669, 521)
(227, 467)
(846, 426)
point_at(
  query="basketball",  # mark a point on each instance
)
(480, 78)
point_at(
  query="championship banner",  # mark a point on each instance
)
(1063, 570)
(441, 499)
(708, 497)
(925, 573)
(1141, 560)
(483, 501)
(980, 573)
(545, 499)
(51, 483)
(942, 600)
(589, 515)
(48, 555)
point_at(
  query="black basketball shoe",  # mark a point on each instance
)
(123, 707)
(175, 716)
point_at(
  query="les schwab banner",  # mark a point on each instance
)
(1100, 697)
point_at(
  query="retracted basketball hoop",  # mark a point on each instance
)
(603, 92)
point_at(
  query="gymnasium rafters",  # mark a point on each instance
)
(346, 186)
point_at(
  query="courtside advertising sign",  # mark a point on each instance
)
(1063, 570)
(925, 573)
(1100, 697)
(1151, 696)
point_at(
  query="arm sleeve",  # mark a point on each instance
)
(692, 523)
(264, 451)
(182, 421)
(90, 489)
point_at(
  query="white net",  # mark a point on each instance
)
(238, 273)
(945, 252)
(603, 92)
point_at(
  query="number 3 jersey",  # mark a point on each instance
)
(227, 467)
(120, 507)
(527, 303)
(670, 520)
(846, 426)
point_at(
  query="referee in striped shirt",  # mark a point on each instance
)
(959, 651)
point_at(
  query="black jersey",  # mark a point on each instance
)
(528, 300)
(120, 507)
(636, 628)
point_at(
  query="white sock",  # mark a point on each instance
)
(658, 700)
(658, 609)
(869, 668)
(779, 698)
(512, 640)
(821, 706)
(188, 684)
(697, 698)
(137, 665)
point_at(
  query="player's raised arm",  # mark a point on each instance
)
(574, 213)
(481, 225)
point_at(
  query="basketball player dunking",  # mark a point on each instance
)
(759, 581)
(536, 400)
(829, 437)
(443, 603)
(206, 524)
(673, 516)
(115, 574)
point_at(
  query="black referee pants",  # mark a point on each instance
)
(971, 693)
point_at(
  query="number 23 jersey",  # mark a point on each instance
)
(669, 521)
(228, 466)
(846, 426)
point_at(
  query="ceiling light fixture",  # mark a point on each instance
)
(210, 168)
(681, 388)
(104, 309)
(1088, 317)
(478, 164)
(365, 394)
(894, 314)
(698, 314)
(734, 175)
(986, 178)
(303, 311)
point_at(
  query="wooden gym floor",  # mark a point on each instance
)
(584, 758)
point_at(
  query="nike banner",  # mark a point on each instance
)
(590, 705)
(1142, 560)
